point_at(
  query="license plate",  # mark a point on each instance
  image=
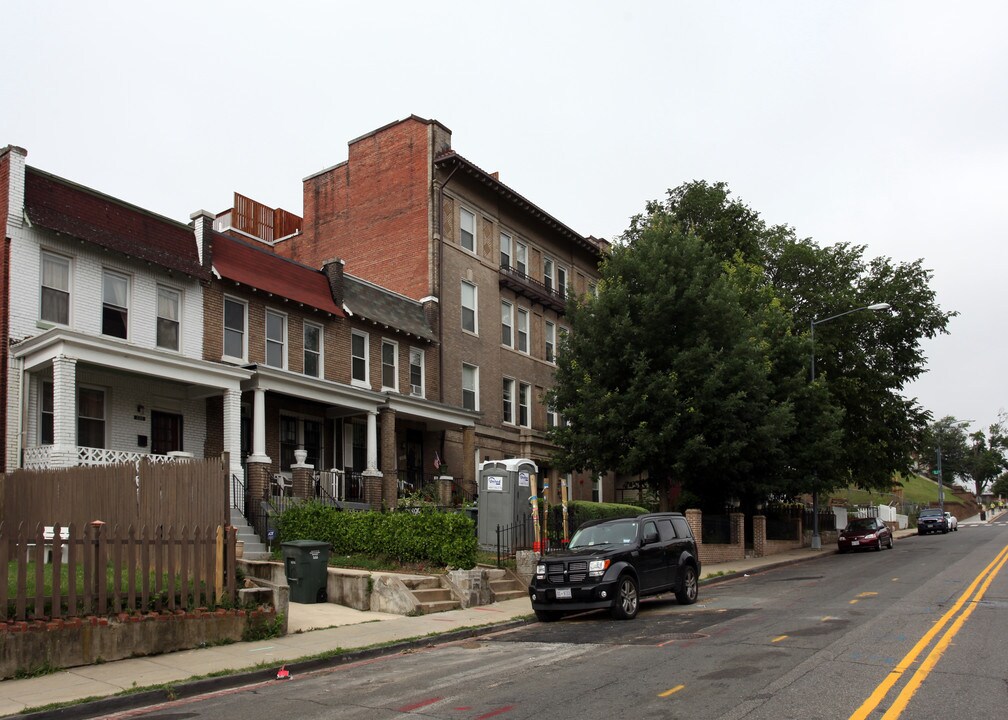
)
(563, 594)
(855, 542)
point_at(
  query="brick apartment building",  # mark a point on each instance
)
(408, 213)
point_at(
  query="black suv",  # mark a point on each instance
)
(613, 563)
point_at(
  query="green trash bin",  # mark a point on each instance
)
(306, 564)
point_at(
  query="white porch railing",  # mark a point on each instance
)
(40, 457)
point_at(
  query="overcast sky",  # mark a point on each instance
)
(881, 123)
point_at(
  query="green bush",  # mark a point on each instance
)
(447, 539)
(580, 512)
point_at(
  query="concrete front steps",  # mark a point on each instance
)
(505, 586)
(254, 549)
(431, 597)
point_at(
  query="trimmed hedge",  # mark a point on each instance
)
(580, 512)
(447, 539)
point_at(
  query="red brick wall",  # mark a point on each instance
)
(373, 210)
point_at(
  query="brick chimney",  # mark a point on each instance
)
(333, 270)
(203, 228)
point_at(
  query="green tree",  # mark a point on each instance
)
(692, 362)
(1000, 486)
(950, 437)
(863, 360)
(985, 458)
(666, 371)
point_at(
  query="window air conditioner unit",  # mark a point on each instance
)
(416, 390)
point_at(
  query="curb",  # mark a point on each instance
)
(762, 568)
(187, 689)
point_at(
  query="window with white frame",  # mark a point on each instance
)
(169, 312)
(597, 488)
(312, 349)
(507, 322)
(46, 416)
(55, 302)
(523, 330)
(505, 250)
(550, 338)
(276, 339)
(359, 358)
(524, 402)
(469, 321)
(416, 372)
(235, 328)
(561, 281)
(470, 387)
(467, 230)
(390, 365)
(508, 401)
(115, 304)
(521, 257)
(548, 273)
(90, 417)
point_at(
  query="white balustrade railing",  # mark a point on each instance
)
(37, 457)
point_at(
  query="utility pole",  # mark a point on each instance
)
(941, 485)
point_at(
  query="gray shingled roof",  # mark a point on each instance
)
(380, 306)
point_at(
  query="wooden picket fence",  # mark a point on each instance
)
(111, 570)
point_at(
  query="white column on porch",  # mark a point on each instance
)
(64, 453)
(372, 443)
(232, 430)
(259, 428)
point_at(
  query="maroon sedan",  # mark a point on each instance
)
(864, 533)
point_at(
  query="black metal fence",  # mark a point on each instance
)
(514, 537)
(716, 529)
(827, 520)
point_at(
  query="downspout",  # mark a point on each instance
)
(22, 410)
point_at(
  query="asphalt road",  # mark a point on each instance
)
(815, 640)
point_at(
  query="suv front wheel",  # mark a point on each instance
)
(687, 592)
(627, 599)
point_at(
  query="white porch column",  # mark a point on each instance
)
(232, 430)
(259, 428)
(372, 443)
(64, 452)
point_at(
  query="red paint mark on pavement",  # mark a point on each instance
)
(418, 705)
(495, 713)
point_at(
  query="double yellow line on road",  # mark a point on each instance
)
(983, 580)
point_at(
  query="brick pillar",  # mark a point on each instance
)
(737, 522)
(64, 451)
(468, 453)
(695, 519)
(444, 485)
(373, 490)
(759, 535)
(389, 458)
(302, 477)
(256, 485)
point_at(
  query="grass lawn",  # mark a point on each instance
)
(917, 490)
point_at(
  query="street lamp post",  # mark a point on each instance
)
(816, 541)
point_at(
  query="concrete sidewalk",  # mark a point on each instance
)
(313, 630)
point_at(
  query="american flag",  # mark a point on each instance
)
(437, 461)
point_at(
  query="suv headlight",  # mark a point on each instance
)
(597, 567)
(540, 571)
